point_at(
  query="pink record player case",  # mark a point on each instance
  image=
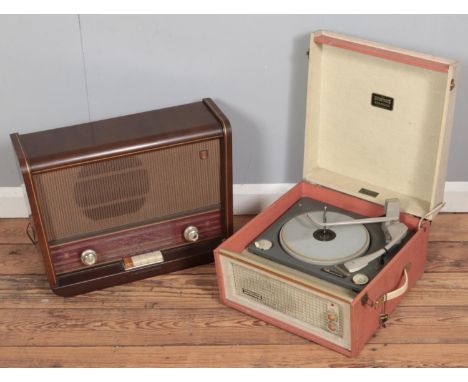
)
(378, 128)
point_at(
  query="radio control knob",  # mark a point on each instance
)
(332, 317)
(331, 327)
(191, 233)
(88, 257)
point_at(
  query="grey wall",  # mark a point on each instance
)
(61, 70)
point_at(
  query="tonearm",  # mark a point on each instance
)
(393, 229)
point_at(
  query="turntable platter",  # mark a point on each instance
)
(306, 241)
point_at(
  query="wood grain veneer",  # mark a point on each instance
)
(118, 245)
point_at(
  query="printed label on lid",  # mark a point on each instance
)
(384, 102)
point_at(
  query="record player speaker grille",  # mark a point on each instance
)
(285, 301)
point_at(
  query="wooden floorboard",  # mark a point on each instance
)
(177, 320)
(216, 326)
(306, 355)
(13, 231)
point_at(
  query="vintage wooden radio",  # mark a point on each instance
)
(332, 257)
(130, 197)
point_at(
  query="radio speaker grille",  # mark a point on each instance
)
(284, 298)
(123, 190)
(112, 193)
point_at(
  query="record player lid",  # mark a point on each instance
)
(378, 121)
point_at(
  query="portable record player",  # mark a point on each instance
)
(332, 257)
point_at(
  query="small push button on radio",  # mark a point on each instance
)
(191, 233)
(88, 257)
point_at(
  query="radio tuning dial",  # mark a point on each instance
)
(88, 257)
(191, 233)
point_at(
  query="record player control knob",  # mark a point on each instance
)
(263, 244)
(88, 257)
(360, 279)
(191, 233)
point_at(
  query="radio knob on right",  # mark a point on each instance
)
(191, 233)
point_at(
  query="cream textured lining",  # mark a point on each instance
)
(350, 144)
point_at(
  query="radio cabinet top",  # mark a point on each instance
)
(121, 135)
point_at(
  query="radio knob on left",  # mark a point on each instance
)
(88, 257)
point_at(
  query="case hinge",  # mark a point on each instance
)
(434, 211)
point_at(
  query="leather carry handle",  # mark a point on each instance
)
(400, 291)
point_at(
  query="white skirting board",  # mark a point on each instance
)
(13, 202)
(248, 198)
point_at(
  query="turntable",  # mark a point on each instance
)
(332, 257)
(332, 244)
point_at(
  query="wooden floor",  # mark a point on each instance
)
(177, 320)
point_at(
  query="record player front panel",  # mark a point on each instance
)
(276, 292)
